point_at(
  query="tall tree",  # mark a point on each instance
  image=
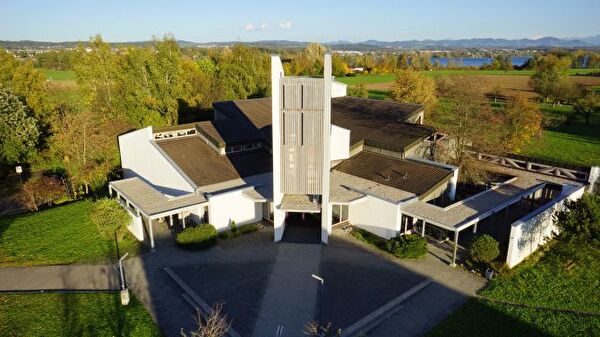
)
(521, 120)
(465, 116)
(551, 72)
(410, 86)
(18, 129)
(402, 62)
(588, 105)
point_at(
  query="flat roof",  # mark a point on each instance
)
(408, 175)
(346, 188)
(380, 122)
(226, 132)
(204, 166)
(149, 200)
(462, 213)
(298, 203)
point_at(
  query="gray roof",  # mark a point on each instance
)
(298, 202)
(478, 206)
(148, 200)
(345, 188)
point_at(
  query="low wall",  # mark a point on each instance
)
(530, 232)
(136, 227)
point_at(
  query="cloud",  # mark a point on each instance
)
(264, 26)
(285, 25)
(249, 27)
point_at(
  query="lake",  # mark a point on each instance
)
(476, 61)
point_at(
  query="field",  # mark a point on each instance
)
(59, 235)
(59, 75)
(576, 143)
(84, 315)
(548, 282)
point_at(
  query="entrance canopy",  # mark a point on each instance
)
(145, 199)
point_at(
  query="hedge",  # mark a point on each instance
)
(407, 246)
(199, 237)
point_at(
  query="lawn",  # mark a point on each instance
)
(84, 315)
(384, 78)
(547, 282)
(576, 143)
(59, 235)
(59, 75)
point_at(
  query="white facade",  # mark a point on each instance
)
(377, 216)
(340, 143)
(225, 207)
(338, 89)
(530, 232)
(140, 157)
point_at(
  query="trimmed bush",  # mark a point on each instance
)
(199, 237)
(484, 249)
(110, 218)
(407, 246)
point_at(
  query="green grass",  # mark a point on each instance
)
(84, 315)
(575, 143)
(59, 235)
(59, 75)
(547, 282)
(384, 78)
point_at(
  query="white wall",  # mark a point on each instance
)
(340, 143)
(338, 89)
(232, 206)
(533, 230)
(377, 216)
(141, 158)
(278, 215)
(136, 227)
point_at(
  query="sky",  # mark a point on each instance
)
(300, 20)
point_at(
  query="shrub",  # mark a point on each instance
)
(199, 237)
(484, 249)
(579, 222)
(368, 237)
(233, 226)
(407, 246)
(110, 218)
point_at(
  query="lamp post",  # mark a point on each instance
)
(321, 295)
(124, 290)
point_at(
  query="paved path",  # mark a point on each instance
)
(70, 277)
(291, 296)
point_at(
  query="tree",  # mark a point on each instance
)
(484, 249)
(588, 105)
(521, 120)
(19, 131)
(44, 189)
(338, 66)
(402, 62)
(411, 86)
(216, 324)
(550, 74)
(359, 90)
(465, 116)
(579, 223)
(496, 91)
(96, 69)
(110, 218)
(86, 144)
(30, 84)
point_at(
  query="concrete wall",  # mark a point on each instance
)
(141, 158)
(533, 230)
(232, 206)
(340, 143)
(136, 227)
(338, 89)
(377, 216)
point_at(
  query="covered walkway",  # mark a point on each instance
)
(494, 209)
(146, 204)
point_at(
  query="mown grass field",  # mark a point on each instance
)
(82, 315)
(59, 75)
(59, 235)
(549, 282)
(575, 143)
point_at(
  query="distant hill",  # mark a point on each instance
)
(477, 43)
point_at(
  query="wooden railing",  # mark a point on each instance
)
(574, 173)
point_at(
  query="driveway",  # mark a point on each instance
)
(265, 285)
